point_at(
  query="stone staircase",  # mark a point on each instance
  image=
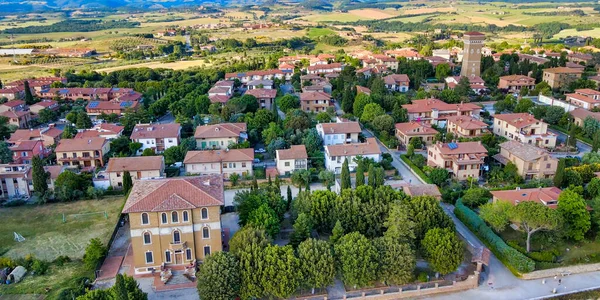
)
(178, 278)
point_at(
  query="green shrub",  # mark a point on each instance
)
(514, 260)
(543, 256)
(422, 277)
(417, 170)
(61, 260)
(39, 267)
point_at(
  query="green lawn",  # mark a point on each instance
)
(317, 32)
(47, 237)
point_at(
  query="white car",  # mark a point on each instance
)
(260, 150)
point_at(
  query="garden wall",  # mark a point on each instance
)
(576, 269)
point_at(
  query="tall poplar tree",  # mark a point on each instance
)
(40, 176)
(345, 176)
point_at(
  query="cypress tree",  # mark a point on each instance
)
(573, 136)
(28, 96)
(120, 290)
(596, 141)
(278, 182)
(254, 183)
(289, 197)
(270, 182)
(127, 182)
(337, 233)
(345, 176)
(372, 176)
(559, 176)
(360, 174)
(40, 176)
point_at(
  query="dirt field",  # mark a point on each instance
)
(179, 65)
(428, 10)
(371, 13)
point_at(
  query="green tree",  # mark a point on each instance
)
(428, 214)
(360, 102)
(371, 111)
(371, 176)
(379, 176)
(596, 141)
(148, 152)
(399, 223)
(337, 233)
(410, 150)
(134, 147)
(119, 291)
(573, 209)
(396, 260)
(83, 121)
(6, 155)
(272, 133)
(327, 178)
(71, 117)
(29, 100)
(524, 106)
(533, 217)
(248, 245)
(476, 196)
(127, 182)
(281, 276)
(317, 263)
(443, 250)
(47, 115)
(572, 138)
(360, 174)
(442, 71)
(496, 214)
(438, 176)
(289, 197)
(357, 259)
(302, 229)
(593, 188)
(301, 177)
(94, 253)
(234, 178)
(463, 88)
(264, 217)
(348, 101)
(346, 182)
(40, 176)
(288, 102)
(69, 132)
(559, 176)
(383, 123)
(219, 277)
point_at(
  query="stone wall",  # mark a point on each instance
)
(576, 269)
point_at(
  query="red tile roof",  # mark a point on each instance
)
(154, 131)
(463, 148)
(369, 147)
(415, 128)
(175, 193)
(311, 96)
(427, 105)
(137, 163)
(25, 145)
(338, 128)
(466, 122)
(262, 93)
(89, 144)
(540, 195)
(518, 119)
(223, 130)
(295, 152)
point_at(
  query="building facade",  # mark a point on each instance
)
(532, 162)
(466, 126)
(339, 133)
(335, 155)
(290, 160)
(219, 136)
(139, 167)
(525, 128)
(82, 152)
(462, 160)
(174, 222)
(557, 77)
(406, 131)
(158, 137)
(224, 162)
(471, 61)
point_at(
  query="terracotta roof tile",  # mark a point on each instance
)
(222, 130)
(415, 128)
(153, 131)
(338, 128)
(562, 70)
(137, 163)
(427, 105)
(262, 93)
(295, 152)
(541, 195)
(463, 148)
(519, 120)
(466, 122)
(523, 151)
(311, 96)
(211, 156)
(369, 147)
(175, 193)
(582, 114)
(90, 144)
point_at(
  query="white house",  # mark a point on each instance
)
(260, 84)
(159, 137)
(290, 160)
(339, 133)
(336, 154)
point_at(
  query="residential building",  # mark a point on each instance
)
(362, 90)
(220, 136)
(579, 115)
(23, 152)
(311, 79)
(49, 135)
(12, 93)
(397, 82)
(525, 128)
(260, 84)
(106, 130)
(546, 196)
(290, 160)
(462, 160)
(82, 152)
(16, 181)
(584, 98)
(96, 108)
(324, 69)
(471, 61)
(54, 171)
(532, 162)
(44, 104)
(224, 162)
(246, 77)
(14, 105)
(560, 76)
(579, 58)
(514, 83)
(174, 222)
(314, 101)
(322, 86)
(91, 94)
(265, 97)
(476, 83)
(436, 111)
(409, 53)
(222, 88)
(335, 155)
(339, 133)
(158, 137)
(466, 126)
(406, 131)
(19, 118)
(139, 168)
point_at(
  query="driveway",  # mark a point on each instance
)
(583, 147)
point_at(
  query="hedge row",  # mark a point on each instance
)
(513, 259)
(419, 172)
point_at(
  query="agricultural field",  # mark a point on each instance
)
(595, 33)
(178, 65)
(48, 237)
(317, 32)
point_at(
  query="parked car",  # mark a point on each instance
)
(260, 150)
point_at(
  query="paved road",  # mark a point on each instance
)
(583, 147)
(405, 172)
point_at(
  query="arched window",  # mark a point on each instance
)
(206, 250)
(204, 213)
(147, 238)
(205, 233)
(174, 217)
(176, 237)
(145, 219)
(163, 218)
(185, 216)
(168, 256)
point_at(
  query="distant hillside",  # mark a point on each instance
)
(12, 6)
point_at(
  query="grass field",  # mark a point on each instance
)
(317, 32)
(595, 33)
(47, 237)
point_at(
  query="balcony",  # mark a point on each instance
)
(178, 246)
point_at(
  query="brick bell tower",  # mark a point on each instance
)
(471, 63)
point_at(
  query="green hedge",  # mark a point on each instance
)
(512, 259)
(419, 172)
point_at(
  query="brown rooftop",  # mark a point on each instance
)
(462, 148)
(338, 128)
(517, 119)
(89, 144)
(523, 151)
(563, 70)
(152, 131)
(223, 130)
(175, 193)
(582, 114)
(137, 163)
(213, 156)
(369, 147)
(311, 96)
(295, 152)
(541, 195)
(467, 122)
(415, 128)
